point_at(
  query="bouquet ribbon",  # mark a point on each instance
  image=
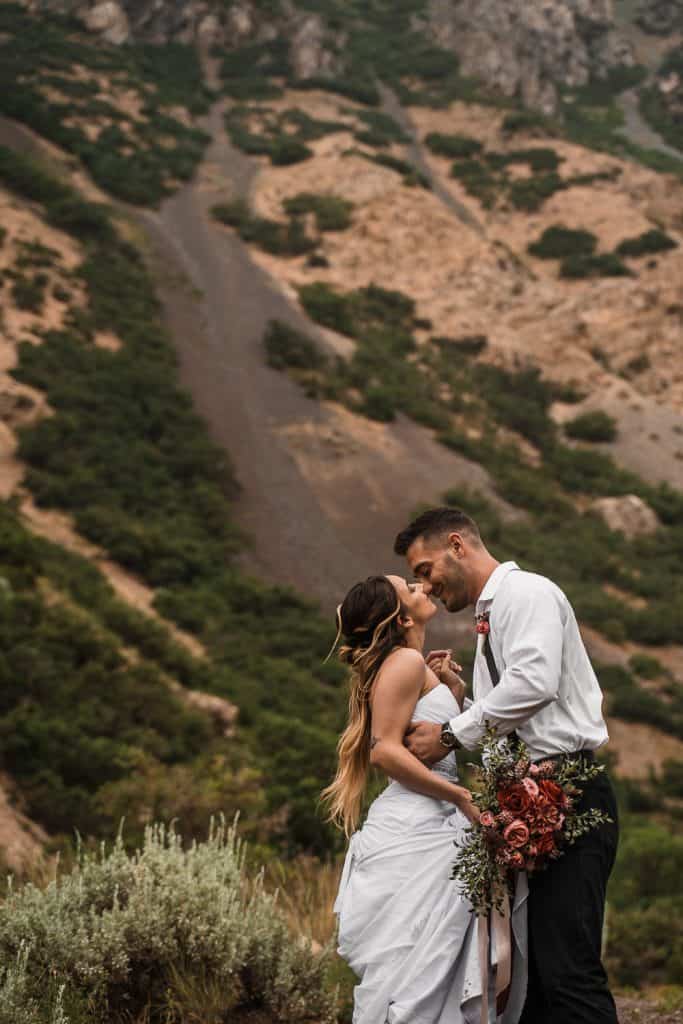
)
(500, 928)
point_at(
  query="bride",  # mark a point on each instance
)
(405, 928)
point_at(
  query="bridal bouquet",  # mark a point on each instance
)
(528, 815)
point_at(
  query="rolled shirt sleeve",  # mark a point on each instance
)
(530, 629)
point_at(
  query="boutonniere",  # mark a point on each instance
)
(482, 620)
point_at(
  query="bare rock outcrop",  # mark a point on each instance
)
(109, 20)
(660, 17)
(528, 49)
(629, 514)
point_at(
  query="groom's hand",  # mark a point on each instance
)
(423, 739)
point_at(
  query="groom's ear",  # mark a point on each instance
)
(456, 544)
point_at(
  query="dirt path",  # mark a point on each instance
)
(323, 491)
(391, 105)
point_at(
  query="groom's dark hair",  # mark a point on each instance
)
(432, 523)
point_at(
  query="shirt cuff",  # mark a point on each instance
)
(468, 728)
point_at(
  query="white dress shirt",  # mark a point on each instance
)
(548, 691)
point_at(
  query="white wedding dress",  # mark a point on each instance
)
(405, 928)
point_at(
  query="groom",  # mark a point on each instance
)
(532, 677)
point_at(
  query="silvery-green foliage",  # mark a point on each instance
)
(118, 916)
(17, 1003)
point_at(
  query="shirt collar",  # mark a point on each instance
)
(495, 580)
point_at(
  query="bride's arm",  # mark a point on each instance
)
(395, 693)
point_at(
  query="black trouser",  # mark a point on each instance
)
(567, 982)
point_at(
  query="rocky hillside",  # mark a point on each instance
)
(527, 52)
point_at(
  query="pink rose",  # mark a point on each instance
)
(516, 860)
(546, 768)
(487, 819)
(516, 834)
(534, 769)
(531, 788)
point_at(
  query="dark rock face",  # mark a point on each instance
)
(527, 49)
(661, 16)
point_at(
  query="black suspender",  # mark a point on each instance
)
(495, 674)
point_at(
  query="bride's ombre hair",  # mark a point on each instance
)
(369, 621)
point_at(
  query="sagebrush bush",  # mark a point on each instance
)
(19, 1001)
(119, 929)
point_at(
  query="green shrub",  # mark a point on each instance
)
(124, 931)
(332, 213)
(29, 292)
(596, 426)
(453, 146)
(606, 264)
(236, 214)
(526, 121)
(672, 778)
(327, 307)
(649, 242)
(477, 180)
(288, 348)
(645, 666)
(359, 89)
(280, 239)
(643, 947)
(537, 159)
(558, 242)
(411, 176)
(529, 194)
(286, 151)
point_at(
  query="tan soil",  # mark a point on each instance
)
(640, 749)
(21, 841)
(108, 341)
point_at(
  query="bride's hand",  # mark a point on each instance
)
(469, 808)
(447, 670)
(463, 801)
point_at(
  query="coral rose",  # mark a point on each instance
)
(514, 799)
(516, 834)
(545, 844)
(516, 860)
(487, 819)
(552, 792)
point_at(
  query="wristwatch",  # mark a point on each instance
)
(448, 738)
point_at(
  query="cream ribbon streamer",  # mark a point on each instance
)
(500, 927)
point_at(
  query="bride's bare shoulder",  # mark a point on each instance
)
(403, 667)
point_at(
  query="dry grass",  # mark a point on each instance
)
(307, 889)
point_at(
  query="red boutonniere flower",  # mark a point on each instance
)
(482, 620)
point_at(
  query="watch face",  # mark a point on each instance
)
(447, 738)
